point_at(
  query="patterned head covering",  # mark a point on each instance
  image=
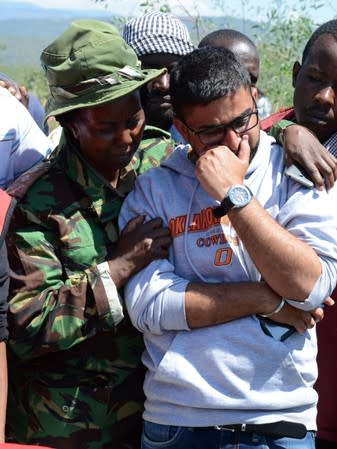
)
(157, 32)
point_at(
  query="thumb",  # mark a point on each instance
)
(244, 150)
(329, 301)
(133, 223)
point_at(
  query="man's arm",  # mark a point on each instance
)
(289, 265)
(158, 301)
(210, 304)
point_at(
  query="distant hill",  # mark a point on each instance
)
(26, 29)
(24, 11)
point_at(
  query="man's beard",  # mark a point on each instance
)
(161, 119)
(253, 150)
(154, 114)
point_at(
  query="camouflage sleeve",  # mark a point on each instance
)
(55, 303)
(276, 129)
(156, 145)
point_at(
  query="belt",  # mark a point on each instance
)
(279, 428)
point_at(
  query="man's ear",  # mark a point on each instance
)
(296, 69)
(254, 92)
(181, 128)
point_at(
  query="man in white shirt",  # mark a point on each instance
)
(22, 143)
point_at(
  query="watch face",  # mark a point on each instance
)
(240, 196)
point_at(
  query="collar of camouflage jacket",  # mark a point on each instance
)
(95, 186)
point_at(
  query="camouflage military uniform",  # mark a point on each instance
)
(75, 371)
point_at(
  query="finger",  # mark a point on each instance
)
(14, 92)
(317, 314)
(154, 223)
(165, 242)
(151, 226)
(133, 224)
(23, 90)
(334, 169)
(329, 301)
(300, 326)
(330, 172)
(311, 322)
(329, 181)
(160, 253)
(24, 96)
(160, 233)
(244, 149)
(154, 249)
(322, 165)
(326, 170)
(331, 159)
(316, 176)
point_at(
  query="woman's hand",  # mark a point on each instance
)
(139, 244)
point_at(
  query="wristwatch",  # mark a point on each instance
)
(237, 196)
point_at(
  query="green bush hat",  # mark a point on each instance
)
(90, 64)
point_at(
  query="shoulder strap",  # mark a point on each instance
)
(18, 188)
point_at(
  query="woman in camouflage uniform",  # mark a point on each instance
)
(76, 375)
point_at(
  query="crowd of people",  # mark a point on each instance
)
(164, 283)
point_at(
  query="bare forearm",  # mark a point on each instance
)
(287, 264)
(211, 304)
(3, 390)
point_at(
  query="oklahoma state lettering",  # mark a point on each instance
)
(203, 221)
(199, 222)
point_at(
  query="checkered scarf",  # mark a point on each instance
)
(331, 144)
(157, 33)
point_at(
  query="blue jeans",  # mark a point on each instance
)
(157, 436)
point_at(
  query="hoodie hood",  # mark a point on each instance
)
(179, 161)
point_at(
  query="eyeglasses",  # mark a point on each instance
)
(240, 125)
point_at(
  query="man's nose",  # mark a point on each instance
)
(327, 95)
(162, 82)
(230, 139)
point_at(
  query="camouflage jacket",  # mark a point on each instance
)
(75, 371)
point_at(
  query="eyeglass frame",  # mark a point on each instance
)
(226, 127)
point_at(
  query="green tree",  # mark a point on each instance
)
(280, 41)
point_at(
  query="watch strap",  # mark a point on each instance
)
(227, 204)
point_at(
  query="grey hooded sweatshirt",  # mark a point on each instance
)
(232, 372)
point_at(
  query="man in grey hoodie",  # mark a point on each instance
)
(250, 246)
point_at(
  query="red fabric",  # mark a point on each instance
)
(5, 201)
(20, 446)
(326, 385)
(282, 114)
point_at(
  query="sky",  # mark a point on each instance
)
(251, 9)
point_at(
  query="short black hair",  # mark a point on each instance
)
(204, 75)
(326, 28)
(225, 34)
